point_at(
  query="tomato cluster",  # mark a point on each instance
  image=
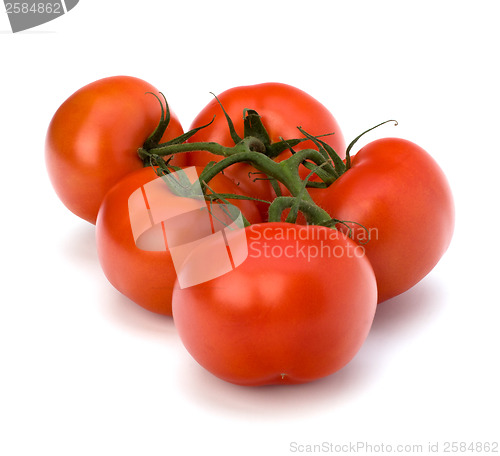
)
(257, 230)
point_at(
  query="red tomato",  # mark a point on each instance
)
(400, 195)
(282, 109)
(136, 217)
(93, 138)
(296, 307)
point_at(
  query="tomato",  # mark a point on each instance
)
(93, 138)
(135, 217)
(400, 195)
(282, 109)
(296, 307)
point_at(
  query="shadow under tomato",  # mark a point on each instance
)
(79, 245)
(80, 248)
(272, 401)
(125, 313)
(400, 320)
(397, 319)
(409, 312)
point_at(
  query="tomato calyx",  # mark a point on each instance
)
(153, 140)
(254, 127)
(247, 150)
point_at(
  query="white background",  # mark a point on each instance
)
(84, 371)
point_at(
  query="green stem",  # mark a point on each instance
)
(313, 213)
(252, 150)
(249, 150)
(282, 172)
(172, 149)
(256, 148)
(315, 156)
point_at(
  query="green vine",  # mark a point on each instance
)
(257, 149)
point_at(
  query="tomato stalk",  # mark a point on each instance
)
(250, 150)
(257, 149)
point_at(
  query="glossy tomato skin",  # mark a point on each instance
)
(147, 276)
(289, 313)
(397, 191)
(93, 138)
(282, 108)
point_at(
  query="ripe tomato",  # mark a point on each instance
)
(136, 217)
(400, 195)
(282, 109)
(297, 308)
(93, 138)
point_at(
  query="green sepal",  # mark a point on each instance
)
(327, 151)
(253, 126)
(155, 137)
(232, 131)
(184, 137)
(325, 176)
(351, 144)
